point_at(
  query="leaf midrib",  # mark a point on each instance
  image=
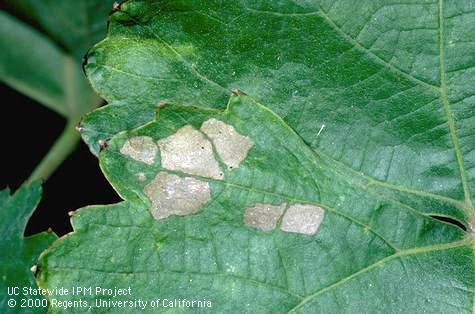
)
(450, 118)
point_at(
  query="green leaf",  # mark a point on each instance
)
(75, 25)
(384, 88)
(371, 253)
(19, 253)
(48, 68)
(42, 75)
(45, 63)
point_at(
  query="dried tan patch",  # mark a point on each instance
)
(173, 195)
(189, 151)
(301, 218)
(263, 216)
(140, 148)
(231, 146)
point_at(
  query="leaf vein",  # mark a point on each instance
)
(408, 252)
(449, 114)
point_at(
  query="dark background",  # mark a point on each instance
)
(28, 130)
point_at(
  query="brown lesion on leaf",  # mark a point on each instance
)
(231, 146)
(263, 216)
(174, 195)
(140, 148)
(298, 218)
(302, 218)
(189, 151)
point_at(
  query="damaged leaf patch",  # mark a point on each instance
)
(230, 240)
(231, 146)
(140, 148)
(263, 216)
(298, 218)
(303, 219)
(189, 151)
(172, 195)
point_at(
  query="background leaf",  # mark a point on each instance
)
(42, 56)
(370, 254)
(47, 66)
(74, 25)
(19, 254)
(48, 75)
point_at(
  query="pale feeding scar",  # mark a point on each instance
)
(231, 146)
(263, 216)
(140, 148)
(189, 151)
(174, 195)
(302, 218)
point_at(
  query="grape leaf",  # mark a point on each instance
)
(47, 68)
(49, 75)
(19, 253)
(75, 25)
(384, 88)
(371, 253)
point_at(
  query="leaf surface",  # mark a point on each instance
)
(19, 253)
(384, 88)
(371, 253)
(366, 112)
